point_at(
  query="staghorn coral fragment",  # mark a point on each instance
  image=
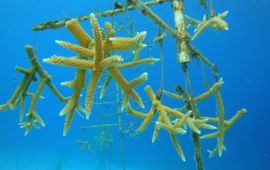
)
(215, 22)
(220, 138)
(96, 48)
(84, 145)
(162, 122)
(21, 92)
(214, 152)
(163, 114)
(220, 147)
(27, 126)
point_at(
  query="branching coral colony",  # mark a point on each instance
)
(18, 97)
(96, 55)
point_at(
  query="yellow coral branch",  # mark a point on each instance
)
(177, 147)
(77, 49)
(90, 93)
(70, 62)
(79, 33)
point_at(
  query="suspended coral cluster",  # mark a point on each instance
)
(95, 55)
(18, 97)
(175, 121)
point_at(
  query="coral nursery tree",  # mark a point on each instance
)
(95, 54)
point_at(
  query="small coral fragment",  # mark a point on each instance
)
(84, 145)
(227, 125)
(215, 22)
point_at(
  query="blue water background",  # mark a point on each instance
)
(241, 54)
